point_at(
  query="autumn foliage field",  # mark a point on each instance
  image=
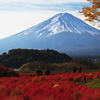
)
(56, 86)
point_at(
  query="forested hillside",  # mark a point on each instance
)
(17, 57)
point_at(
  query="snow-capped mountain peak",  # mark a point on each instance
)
(69, 23)
(63, 22)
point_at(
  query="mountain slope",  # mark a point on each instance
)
(63, 32)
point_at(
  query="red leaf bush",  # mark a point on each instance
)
(7, 72)
(57, 86)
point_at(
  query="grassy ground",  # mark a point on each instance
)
(95, 83)
(89, 70)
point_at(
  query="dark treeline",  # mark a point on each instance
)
(17, 57)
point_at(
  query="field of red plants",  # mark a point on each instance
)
(57, 86)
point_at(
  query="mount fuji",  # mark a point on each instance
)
(63, 32)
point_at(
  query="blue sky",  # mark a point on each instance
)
(18, 15)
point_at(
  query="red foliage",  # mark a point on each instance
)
(7, 72)
(57, 86)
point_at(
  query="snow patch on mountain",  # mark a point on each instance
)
(39, 35)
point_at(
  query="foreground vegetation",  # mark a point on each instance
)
(56, 86)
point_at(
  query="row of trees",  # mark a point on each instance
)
(85, 63)
(17, 57)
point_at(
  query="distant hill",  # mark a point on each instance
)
(62, 32)
(17, 57)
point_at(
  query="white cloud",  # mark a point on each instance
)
(35, 5)
(41, 1)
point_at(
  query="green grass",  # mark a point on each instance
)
(95, 83)
(64, 70)
(91, 70)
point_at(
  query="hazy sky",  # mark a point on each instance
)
(18, 15)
